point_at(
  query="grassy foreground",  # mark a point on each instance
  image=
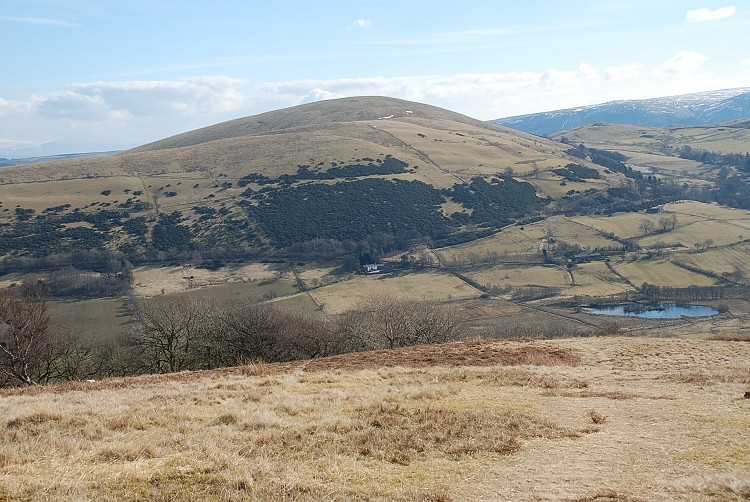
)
(584, 419)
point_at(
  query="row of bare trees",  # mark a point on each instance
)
(200, 333)
(191, 333)
(175, 334)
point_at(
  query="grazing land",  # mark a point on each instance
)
(574, 419)
(358, 291)
(255, 241)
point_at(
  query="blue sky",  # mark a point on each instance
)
(115, 74)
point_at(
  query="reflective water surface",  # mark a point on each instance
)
(657, 311)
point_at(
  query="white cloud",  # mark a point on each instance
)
(362, 23)
(746, 62)
(625, 72)
(680, 65)
(36, 20)
(9, 107)
(137, 112)
(115, 100)
(706, 14)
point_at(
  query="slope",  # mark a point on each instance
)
(572, 419)
(200, 187)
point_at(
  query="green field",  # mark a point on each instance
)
(661, 272)
(356, 292)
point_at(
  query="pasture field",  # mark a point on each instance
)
(674, 167)
(549, 183)
(510, 242)
(315, 275)
(623, 225)
(578, 419)
(595, 280)
(615, 136)
(253, 290)
(708, 211)
(733, 260)
(300, 303)
(635, 138)
(715, 139)
(355, 292)
(155, 281)
(93, 320)
(661, 272)
(515, 241)
(721, 233)
(40, 195)
(590, 279)
(509, 275)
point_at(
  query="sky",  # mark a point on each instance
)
(111, 74)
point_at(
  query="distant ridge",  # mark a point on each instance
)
(702, 108)
(50, 158)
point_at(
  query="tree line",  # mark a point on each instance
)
(171, 334)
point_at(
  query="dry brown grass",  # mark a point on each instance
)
(731, 337)
(606, 496)
(506, 420)
(596, 417)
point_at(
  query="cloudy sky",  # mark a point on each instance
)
(114, 74)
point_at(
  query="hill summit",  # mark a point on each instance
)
(312, 115)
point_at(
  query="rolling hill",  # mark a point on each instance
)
(315, 172)
(285, 206)
(697, 109)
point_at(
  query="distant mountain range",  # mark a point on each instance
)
(48, 158)
(702, 108)
(15, 152)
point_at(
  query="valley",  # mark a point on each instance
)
(373, 299)
(285, 207)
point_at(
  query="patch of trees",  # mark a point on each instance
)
(168, 234)
(136, 227)
(54, 232)
(258, 179)
(184, 334)
(654, 292)
(577, 172)
(388, 165)
(614, 161)
(23, 214)
(178, 334)
(612, 200)
(70, 282)
(738, 160)
(496, 203)
(350, 211)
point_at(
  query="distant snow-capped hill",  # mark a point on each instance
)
(700, 108)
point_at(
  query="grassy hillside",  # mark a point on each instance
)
(577, 419)
(208, 181)
(285, 206)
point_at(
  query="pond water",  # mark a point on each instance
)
(657, 311)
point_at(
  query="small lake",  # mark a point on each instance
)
(657, 311)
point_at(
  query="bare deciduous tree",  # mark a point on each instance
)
(390, 323)
(24, 336)
(170, 333)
